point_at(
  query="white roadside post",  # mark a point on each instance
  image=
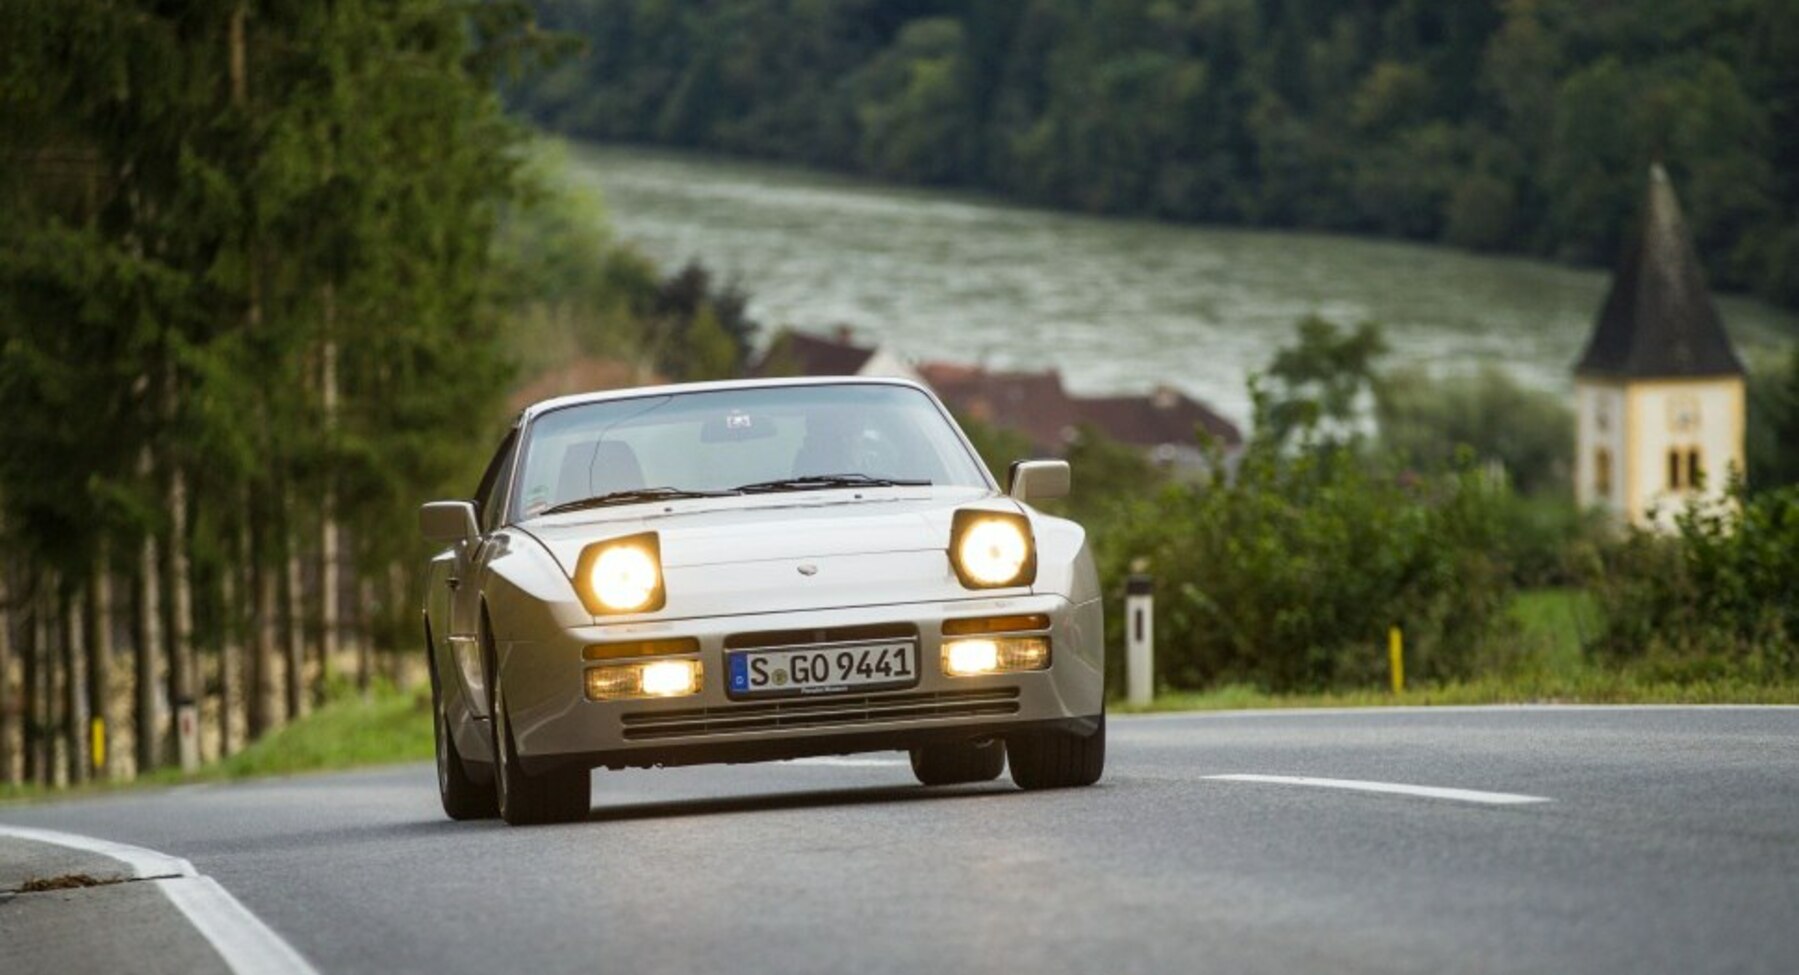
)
(1139, 639)
(187, 719)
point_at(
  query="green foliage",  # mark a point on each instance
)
(1289, 576)
(1519, 125)
(210, 208)
(351, 730)
(1773, 434)
(1426, 421)
(1720, 597)
(1320, 385)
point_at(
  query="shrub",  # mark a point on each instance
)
(1289, 576)
(1719, 597)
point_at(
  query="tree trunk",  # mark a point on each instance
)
(99, 662)
(181, 626)
(398, 615)
(365, 633)
(9, 702)
(328, 541)
(75, 702)
(261, 689)
(49, 665)
(31, 677)
(147, 653)
(230, 662)
(294, 624)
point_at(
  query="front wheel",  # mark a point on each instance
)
(959, 762)
(1057, 759)
(462, 796)
(562, 796)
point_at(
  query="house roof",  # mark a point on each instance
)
(1036, 405)
(795, 353)
(1166, 416)
(1658, 319)
(1032, 403)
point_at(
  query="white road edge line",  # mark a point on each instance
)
(1393, 788)
(247, 945)
(144, 864)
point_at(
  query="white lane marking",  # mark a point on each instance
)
(849, 762)
(1375, 710)
(246, 944)
(1394, 788)
(241, 938)
(144, 864)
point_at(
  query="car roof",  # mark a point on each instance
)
(635, 392)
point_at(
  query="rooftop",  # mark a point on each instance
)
(1658, 320)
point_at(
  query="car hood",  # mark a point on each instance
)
(812, 524)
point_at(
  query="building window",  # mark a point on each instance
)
(1602, 472)
(1685, 468)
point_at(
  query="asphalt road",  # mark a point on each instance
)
(1669, 843)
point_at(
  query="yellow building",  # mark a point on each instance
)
(1659, 391)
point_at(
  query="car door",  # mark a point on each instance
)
(462, 580)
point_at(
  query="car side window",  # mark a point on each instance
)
(493, 482)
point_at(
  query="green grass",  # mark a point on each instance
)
(1549, 668)
(348, 731)
(1592, 687)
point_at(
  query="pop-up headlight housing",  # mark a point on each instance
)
(621, 575)
(992, 549)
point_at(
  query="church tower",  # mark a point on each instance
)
(1659, 391)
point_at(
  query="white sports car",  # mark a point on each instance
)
(751, 571)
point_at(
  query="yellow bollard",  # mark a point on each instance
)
(97, 735)
(1396, 658)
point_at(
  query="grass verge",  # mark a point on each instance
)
(1589, 688)
(349, 731)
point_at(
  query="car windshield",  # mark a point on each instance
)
(759, 439)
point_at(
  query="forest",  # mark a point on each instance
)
(1502, 125)
(270, 271)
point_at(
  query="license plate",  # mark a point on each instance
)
(793, 671)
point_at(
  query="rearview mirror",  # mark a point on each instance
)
(1040, 480)
(736, 427)
(447, 521)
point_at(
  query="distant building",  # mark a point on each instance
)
(1166, 424)
(796, 353)
(1659, 391)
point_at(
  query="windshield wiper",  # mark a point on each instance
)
(633, 496)
(820, 482)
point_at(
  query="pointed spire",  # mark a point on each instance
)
(1659, 320)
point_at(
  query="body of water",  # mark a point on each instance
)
(1116, 305)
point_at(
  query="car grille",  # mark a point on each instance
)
(821, 712)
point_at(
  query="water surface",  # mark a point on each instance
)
(1116, 305)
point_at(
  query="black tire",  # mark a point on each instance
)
(960, 762)
(562, 796)
(463, 797)
(1057, 759)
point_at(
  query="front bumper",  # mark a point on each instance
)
(554, 725)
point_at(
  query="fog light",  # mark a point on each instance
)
(658, 678)
(671, 678)
(968, 658)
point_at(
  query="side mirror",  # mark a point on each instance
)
(447, 521)
(1040, 480)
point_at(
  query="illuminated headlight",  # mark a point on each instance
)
(969, 658)
(621, 575)
(992, 549)
(655, 678)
